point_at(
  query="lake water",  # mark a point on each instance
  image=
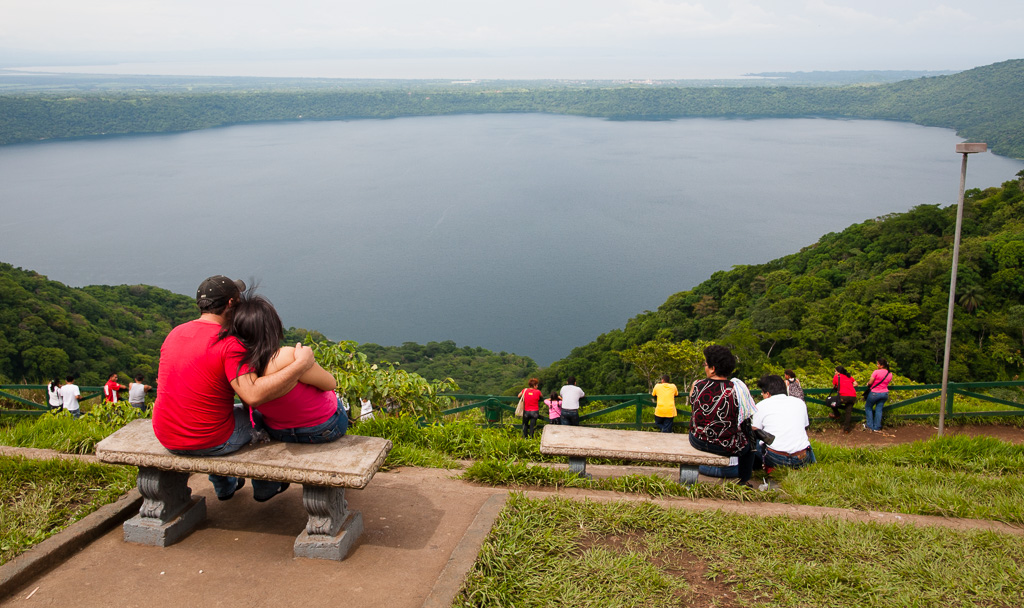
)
(525, 233)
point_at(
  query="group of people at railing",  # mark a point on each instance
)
(563, 405)
(875, 395)
(67, 396)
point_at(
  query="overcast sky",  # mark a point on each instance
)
(653, 38)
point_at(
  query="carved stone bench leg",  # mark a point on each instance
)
(168, 510)
(579, 466)
(332, 530)
(688, 474)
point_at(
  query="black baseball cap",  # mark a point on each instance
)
(218, 289)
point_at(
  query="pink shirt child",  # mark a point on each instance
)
(554, 408)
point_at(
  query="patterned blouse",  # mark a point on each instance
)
(716, 415)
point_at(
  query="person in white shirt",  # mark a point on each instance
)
(53, 395)
(571, 395)
(137, 392)
(785, 418)
(69, 395)
(365, 409)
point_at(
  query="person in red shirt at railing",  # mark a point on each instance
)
(847, 395)
(111, 387)
(531, 406)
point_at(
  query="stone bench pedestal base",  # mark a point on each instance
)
(332, 530)
(168, 513)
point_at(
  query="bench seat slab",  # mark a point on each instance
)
(591, 442)
(580, 443)
(349, 462)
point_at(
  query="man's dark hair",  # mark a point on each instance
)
(772, 384)
(204, 307)
(139, 377)
(664, 378)
(69, 378)
(721, 359)
(571, 380)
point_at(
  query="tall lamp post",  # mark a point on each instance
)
(964, 149)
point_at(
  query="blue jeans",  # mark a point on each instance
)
(571, 417)
(713, 471)
(241, 436)
(773, 459)
(334, 427)
(873, 405)
(745, 468)
(664, 423)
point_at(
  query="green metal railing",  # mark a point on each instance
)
(592, 408)
(497, 408)
(35, 408)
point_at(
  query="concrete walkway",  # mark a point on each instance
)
(423, 529)
(414, 521)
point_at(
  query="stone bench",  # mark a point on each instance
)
(580, 443)
(169, 512)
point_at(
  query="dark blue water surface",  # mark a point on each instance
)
(525, 233)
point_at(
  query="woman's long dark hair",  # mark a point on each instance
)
(842, 371)
(54, 384)
(258, 327)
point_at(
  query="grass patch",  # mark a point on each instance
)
(521, 474)
(38, 498)
(59, 431)
(969, 477)
(448, 442)
(584, 553)
(902, 489)
(953, 453)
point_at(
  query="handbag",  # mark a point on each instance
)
(832, 401)
(519, 407)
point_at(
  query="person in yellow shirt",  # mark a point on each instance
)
(665, 412)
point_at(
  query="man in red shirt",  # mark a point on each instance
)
(200, 374)
(111, 387)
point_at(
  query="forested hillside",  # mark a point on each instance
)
(477, 370)
(983, 104)
(877, 289)
(48, 329)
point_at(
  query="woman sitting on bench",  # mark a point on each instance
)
(715, 423)
(309, 413)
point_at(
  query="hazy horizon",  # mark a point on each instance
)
(573, 39)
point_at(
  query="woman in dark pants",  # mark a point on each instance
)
(715, 425)
(847, 395)
(531, 406)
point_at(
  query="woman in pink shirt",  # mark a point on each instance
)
(876, 396)
(309, 413)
